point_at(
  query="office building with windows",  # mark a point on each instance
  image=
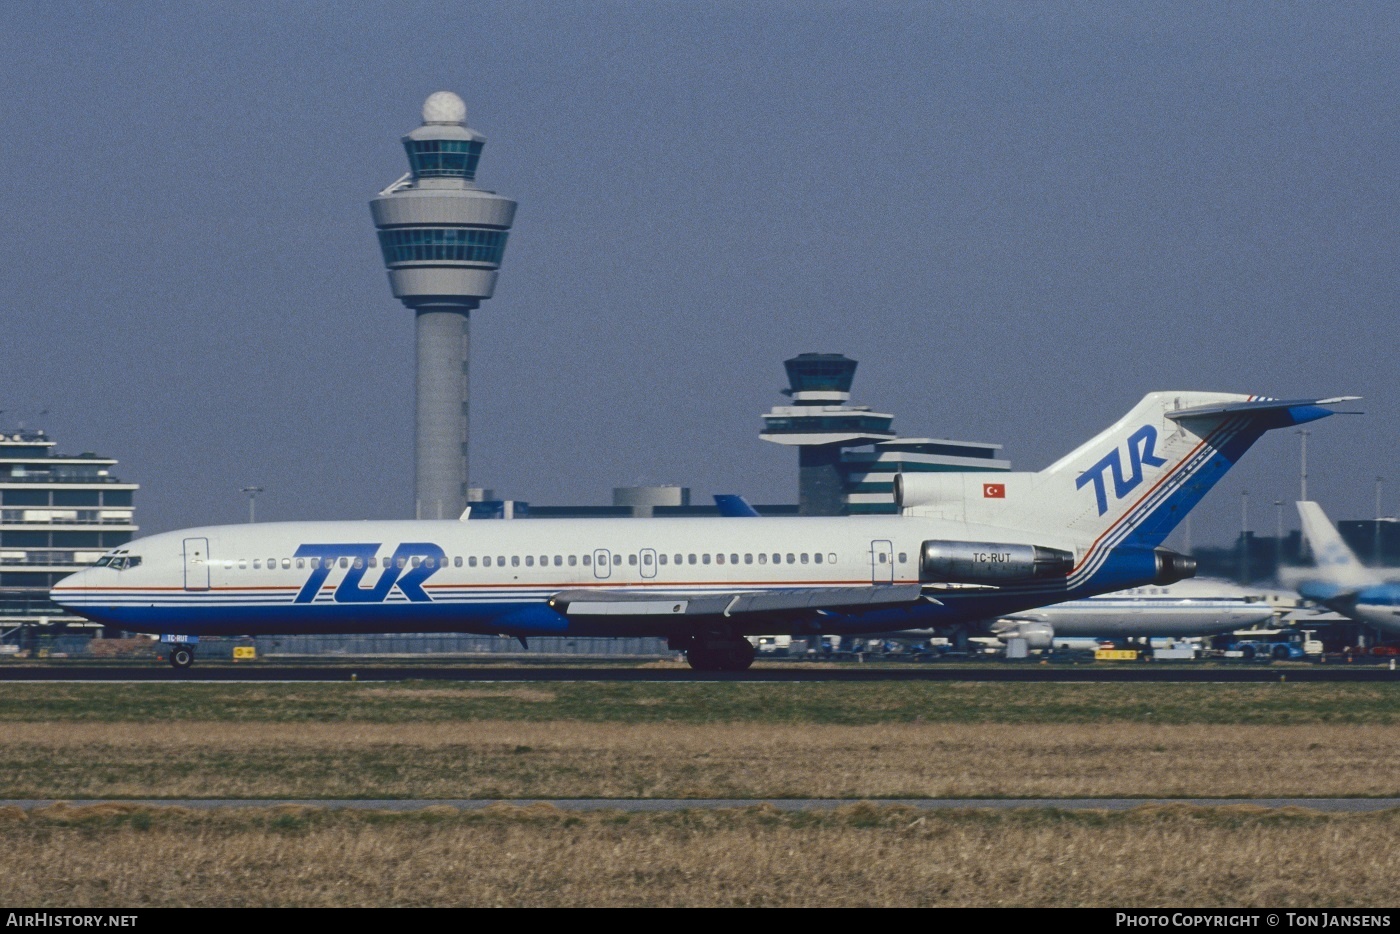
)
(57, 513)
(443, 239)
(848, 455)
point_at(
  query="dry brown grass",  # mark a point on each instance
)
(572, 759)
(862, 855)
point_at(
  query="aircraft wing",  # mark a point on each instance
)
(631, 603)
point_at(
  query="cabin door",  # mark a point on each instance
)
(881, 562)
(196, 564)
(648, 559)
(602, 563)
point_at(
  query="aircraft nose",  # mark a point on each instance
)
(67, 591)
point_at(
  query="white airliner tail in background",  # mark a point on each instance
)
(1340, 581)
(1335, 561)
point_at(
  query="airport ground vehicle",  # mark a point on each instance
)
(1277, 644)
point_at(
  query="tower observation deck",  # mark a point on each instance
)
(848, 456)
(820, 423)
(442, 239)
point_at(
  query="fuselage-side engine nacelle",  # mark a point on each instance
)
(1037, 635)
(949, 562)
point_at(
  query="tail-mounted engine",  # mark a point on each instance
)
(1172, 567)
(948, 562)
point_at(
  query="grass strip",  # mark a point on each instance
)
(565, 759)
(1275, 704)
(114, 856)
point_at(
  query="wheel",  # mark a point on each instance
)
(181, 657)
(734, 654)
(1247, 653)
(1281, 652)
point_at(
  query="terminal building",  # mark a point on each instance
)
(58, 513)
(848, 455)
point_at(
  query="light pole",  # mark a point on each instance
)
(1376, 551)
(1303, 471)
(1303, 433)
(1244, 536)
(252, 492)
(1278, 537)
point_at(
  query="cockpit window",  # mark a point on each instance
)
(103, 561)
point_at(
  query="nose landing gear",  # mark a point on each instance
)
(181, 656)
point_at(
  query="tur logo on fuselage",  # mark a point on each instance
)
(1141, 445)
(401, 572)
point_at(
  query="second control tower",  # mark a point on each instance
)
(443, 239)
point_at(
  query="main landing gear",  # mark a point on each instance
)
(181, 656)
(716, 652)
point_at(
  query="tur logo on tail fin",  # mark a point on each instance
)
(1141, 446)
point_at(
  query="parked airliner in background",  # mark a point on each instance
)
(963, 548)
(1200, 607)
(1341, 582)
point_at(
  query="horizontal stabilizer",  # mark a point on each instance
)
(1293, 411)
(629, 603)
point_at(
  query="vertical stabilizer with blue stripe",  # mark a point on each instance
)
(1126, 488)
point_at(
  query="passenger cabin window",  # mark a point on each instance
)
(256, 564)
(457, 561)
(803, 556)
(287, 563)
(573, 560)
(705, 558)
(762, 558)
(646, 559)
(660, 559)
(558, 561)
(587, 560)
(515, 561)
(691, 559)
(471, 562)
(301, 562)
(831, 557)
(359, 563)
(903, 557)
(748, 559)
(733, 559)
(817, 558)
(719, 559)
(777, 558)
(632, 560)
(529, 561)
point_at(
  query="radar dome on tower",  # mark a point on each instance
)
(444, 107)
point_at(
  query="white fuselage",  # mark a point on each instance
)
(500, 576)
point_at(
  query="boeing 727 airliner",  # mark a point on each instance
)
(963, 548)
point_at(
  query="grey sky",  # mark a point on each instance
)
(1018, 217)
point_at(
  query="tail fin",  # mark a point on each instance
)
(1131, 484)
(1336, 562)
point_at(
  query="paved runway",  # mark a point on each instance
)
(1329, 805)
(1131, 672)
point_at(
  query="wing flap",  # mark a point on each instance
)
(631, 603)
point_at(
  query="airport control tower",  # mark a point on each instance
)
(820, 423)
(443, 239)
